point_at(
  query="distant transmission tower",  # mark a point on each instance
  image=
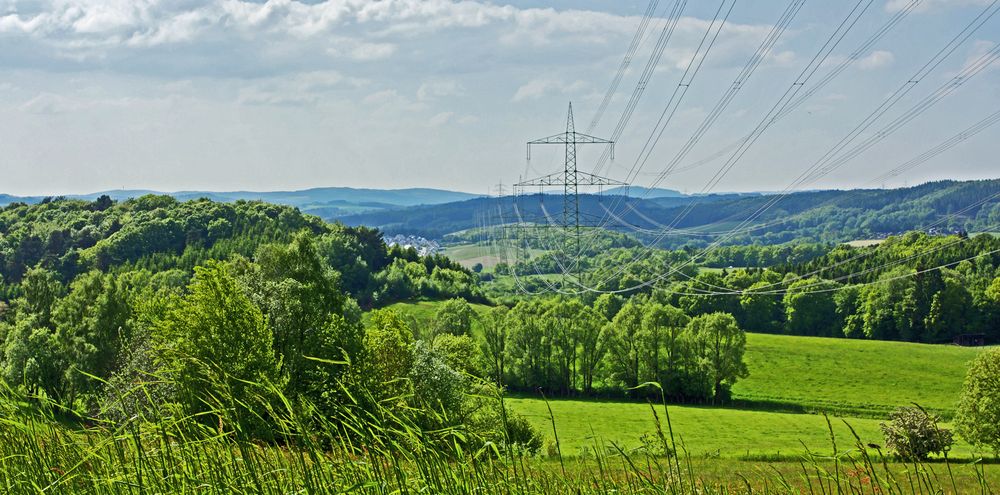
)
(570, 179)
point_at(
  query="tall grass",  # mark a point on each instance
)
(378, 449)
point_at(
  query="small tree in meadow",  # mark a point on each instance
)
(455, 317)
(978, 415)
(914, 434)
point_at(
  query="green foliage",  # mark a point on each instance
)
(718, 344)
(622, 339)
(913, 434)
(312, 322)
(459, 352)
(92, 325)
(810, 310)
(978, 416)
(388, 354)
(454, 317)
(493, 345)
(215, 343)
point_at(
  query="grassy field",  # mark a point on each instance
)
(706, 431)
(856, 377)
(469, 254)
(865, 242)
(775, 408)
(420, 315)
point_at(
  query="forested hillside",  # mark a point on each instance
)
(223, 312)
(163, 237)
(325, 202)
(817, 216)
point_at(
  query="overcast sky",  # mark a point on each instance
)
(284, 94)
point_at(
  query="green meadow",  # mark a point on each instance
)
(777, 411)
(583, 425)
(854, 377)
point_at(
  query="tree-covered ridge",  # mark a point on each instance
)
(815, 216)
(158, 234)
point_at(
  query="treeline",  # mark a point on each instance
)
(612, 348)
(158, 234)
(915, 287)
(894, 291)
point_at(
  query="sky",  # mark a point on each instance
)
(222, 95)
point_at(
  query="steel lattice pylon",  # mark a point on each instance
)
(570, 178)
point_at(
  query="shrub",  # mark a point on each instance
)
(522, 435)
(913, 434)
(978, 415)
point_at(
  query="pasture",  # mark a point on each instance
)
(583, 425)
(854, 377)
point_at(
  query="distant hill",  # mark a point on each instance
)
(819, 216)
(644, 192)
(326, 202)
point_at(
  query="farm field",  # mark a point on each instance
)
(777, 408)
(855, 377)
(865, 242)
(858, 378)
(787, 375)
(471, 253)
(705, 431)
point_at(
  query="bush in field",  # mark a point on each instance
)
(454, 317)
(978, 417)
(914, 435)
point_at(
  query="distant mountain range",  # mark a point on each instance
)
(326, 202)
(821, 216)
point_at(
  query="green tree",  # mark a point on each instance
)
(720, 344)
(493, 345)
(622, 339)
(762, 312)
(589, 324)
(810, 309)
(33, 359)
(41, 290)
(977, 419)
(949, 313)
(660, 340)
(525, 347)
(388, 354)
(92, 325)
(216, 344)
(459, 352)
(608, 305)
(455, 316)
(312, 322)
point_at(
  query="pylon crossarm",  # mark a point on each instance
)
(559, 179)
(571, 138)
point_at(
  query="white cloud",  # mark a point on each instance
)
(300, 89)
(538, 88)
(393, 100)
(245, 35)
(46, 103)
(875, 60)
(430, 90)
(444, 118)
(440, 119)
(784, 58)
(893, 6)
(979, 50)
